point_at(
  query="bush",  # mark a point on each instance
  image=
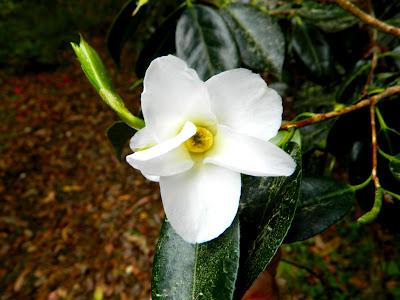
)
(34, 33)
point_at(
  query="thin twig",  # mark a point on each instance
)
(336, 113)
(374, 174)
(327, 287)
(297, 265)
(368, 19)
(374, 62)
(376, 208)
(374, 50)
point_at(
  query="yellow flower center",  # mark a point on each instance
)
(201, 141)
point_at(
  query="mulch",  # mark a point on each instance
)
(75, 223)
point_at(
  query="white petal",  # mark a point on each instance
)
(188, 130)
(201, 203)
(144, 138)
(151, 177)
(173, 94)
(242, 100)
(249, 155)
(173, 162)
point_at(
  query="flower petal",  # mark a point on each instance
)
(249, 155)
(173, 162)
(144, 138)
(173, 93)
(167, 158)
(151, 177)
(242, 100)
(188, 130)
(201, 203)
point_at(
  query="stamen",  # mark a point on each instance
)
(201, 141)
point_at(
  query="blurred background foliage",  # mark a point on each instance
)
(34, 33)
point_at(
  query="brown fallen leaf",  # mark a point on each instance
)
(72, 188)
(358, 282)
(21, 279)
(324, 248)
(51, 196)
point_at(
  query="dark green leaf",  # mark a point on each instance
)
(385, 9)
(313, 50)
(315, 136)
(183, 271)
(266, 211)
(123, 27)
(395, 166)
(258, 36)
(314, 98)
(119, 134)
(160, 43)
(395, 53)
(389, 41)
(204, 41)
(323, 202)
(354, 82)
(328, 17)
(388, 140)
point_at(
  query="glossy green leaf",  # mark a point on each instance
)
(183, 271)
(123, 27)
(266, 210)
(395, 166)
(258, 36)
(313, 50)
(204, 41)
(328, 17)
(160, 43)
(119, 134)
(323, 202)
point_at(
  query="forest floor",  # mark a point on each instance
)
(75, 223)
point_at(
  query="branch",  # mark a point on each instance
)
(333, 114)
(368, 19)
(376, 208)
(374, 62)
(374, 175)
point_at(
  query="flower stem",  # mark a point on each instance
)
(116, 103)
(361, 185)
(385, 155)
(376, 208)
(373, 213)
(288, 136)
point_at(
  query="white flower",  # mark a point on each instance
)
(200, 136)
